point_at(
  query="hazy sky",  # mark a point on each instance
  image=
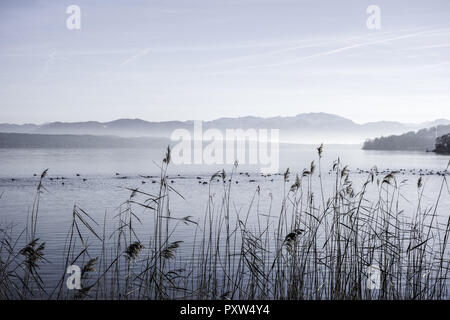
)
(164, 60)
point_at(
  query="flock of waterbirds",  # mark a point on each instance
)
(245, 176)
(420, 172)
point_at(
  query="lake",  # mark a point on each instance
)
(99, 182)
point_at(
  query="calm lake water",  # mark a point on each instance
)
(96, 181)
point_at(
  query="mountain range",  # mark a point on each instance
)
(302, 128)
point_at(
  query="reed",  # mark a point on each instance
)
(315, 247)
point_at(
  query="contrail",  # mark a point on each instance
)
(334, 51)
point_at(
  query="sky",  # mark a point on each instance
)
(204, 59)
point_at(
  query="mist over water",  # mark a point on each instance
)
(106, 162)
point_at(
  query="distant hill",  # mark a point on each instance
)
(26, 140)
(302, 128)
(443, 144)
(18, 128)
(421, 140)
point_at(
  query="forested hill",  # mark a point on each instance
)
(422, 140)
(443, 144)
